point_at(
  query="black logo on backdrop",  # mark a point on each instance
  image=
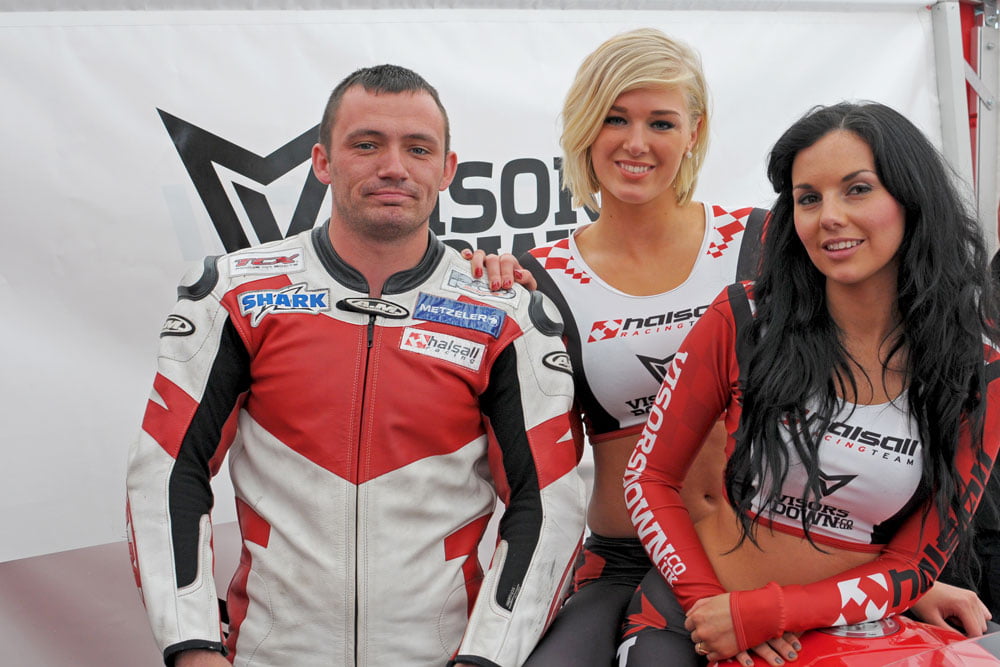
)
(201, 151)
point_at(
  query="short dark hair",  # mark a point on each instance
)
(391, 79)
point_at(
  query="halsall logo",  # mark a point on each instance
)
(292, 299)
(267, 263)
(603, 330)
(457, 350)
(201, 152)
(177, 326)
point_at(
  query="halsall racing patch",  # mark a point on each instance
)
(457, 280)
(467, 315)
(267, 263)
(442, 346)
(177, 326)
(292, 299)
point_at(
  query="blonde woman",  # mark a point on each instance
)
(629, 286)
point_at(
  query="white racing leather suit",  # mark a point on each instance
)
(367, 441)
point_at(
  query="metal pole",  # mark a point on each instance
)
(985, 80)
(950, 65)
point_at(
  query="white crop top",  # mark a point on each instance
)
(619, 343)
(870, 468)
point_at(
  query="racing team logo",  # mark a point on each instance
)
(868, 595)
(292, 299)
(604, 330)
(442, 346)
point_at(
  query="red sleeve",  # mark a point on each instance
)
(699, 385)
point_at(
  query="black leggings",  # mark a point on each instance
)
(654, 633)
(587, 629)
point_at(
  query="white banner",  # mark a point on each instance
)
(136, 142)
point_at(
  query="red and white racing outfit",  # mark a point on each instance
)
(870, 463)
(367, 442)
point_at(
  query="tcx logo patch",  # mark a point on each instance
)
(267, 263)
(292, 299)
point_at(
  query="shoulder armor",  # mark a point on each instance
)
(538, 311)
(204, 285)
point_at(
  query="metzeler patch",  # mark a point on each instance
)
(177, 326)
(467, 315)
(267, 263)
(292, 299)
(462, 281)
(442, 346)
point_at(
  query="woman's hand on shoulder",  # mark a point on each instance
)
(501, 271)
(710, 623)
(944, 601)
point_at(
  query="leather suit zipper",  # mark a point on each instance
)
(357, 488)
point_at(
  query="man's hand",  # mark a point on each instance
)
(943, 602)
(501, 270)
(200, 658)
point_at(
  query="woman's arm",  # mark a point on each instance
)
(699, 384)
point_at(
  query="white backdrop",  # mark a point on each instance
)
(100, 215)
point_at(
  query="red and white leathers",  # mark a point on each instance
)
(703, 383)
(367, 442)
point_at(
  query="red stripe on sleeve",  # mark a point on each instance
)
(169, 425)
(553, 448)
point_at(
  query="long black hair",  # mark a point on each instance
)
(946, 304)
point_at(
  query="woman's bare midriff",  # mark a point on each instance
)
(779, 557)
(702, 492)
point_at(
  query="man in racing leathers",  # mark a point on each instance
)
(373, 399)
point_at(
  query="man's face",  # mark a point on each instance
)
(386, 163)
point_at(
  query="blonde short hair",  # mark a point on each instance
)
(643, 58)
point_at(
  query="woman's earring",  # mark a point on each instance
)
(689, 155)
